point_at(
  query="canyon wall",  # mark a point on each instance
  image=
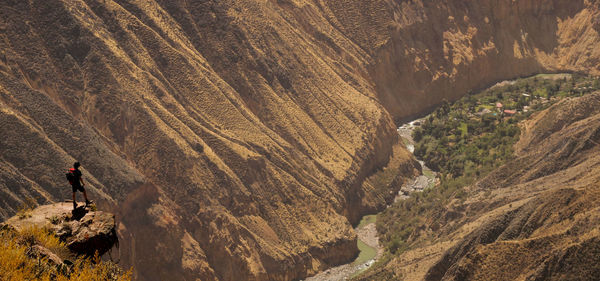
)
(232, 138)
(240, 139)
(443, 49)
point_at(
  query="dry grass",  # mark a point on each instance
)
(15, 264)
(38, 236)
(24, 210)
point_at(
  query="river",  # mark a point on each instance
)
(368, 241)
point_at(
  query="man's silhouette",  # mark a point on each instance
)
(76, 180)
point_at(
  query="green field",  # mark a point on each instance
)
(463, 144)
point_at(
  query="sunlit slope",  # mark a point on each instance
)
(231, 138)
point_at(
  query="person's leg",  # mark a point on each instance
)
(85, 196)
(74, 202)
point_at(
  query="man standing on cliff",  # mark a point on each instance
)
(76, 180)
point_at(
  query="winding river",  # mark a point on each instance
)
(368, 241)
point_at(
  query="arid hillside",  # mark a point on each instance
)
(232, 138)
(240, 139)
(535, 218)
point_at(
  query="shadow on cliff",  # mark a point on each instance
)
(78, 213)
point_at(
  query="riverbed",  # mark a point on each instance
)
(370, 251)
(368, 241)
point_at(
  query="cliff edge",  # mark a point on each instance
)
(83, 231)
(55, 242)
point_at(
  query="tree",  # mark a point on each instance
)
(551, 89)
(417, 134)
(528, 88)
(499, 96)
(444, 109)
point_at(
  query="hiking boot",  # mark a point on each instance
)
(74, 205)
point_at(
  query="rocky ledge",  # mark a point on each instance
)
(83, 230)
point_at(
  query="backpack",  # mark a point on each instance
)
(70, 176)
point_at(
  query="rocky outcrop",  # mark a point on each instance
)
(84, 232)
(40, 252)
(242, 134)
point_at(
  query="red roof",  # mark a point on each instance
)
(499, 105)
(511, 112)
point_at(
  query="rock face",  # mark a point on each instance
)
(40, 252)
(440, 50)
(84, 232)
(242, 134)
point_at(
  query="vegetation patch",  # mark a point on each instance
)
(463, 141)
(475, 134)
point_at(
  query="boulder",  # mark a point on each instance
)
(40, 252)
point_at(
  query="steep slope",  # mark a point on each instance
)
(535, 218)
(234, 136)
(241, 133)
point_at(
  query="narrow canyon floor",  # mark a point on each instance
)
(368, 241)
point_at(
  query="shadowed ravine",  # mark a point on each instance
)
(368, 240)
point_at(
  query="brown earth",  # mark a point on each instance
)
(235, 139)
(535, 218)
